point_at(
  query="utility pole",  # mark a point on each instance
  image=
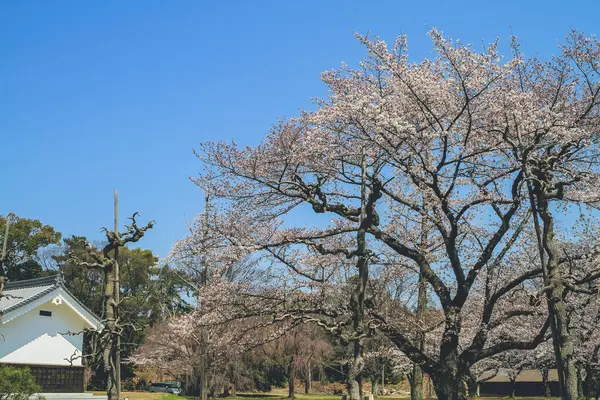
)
(117, 301)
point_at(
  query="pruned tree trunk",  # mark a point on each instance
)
(109, 352)
(106, 261)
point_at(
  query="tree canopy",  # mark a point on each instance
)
(26, 238)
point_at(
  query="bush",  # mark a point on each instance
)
(129, 385)
(17, 383)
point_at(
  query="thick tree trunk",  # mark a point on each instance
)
(416, 383)
(448, 381)
(563, 342)
(447, 387)
(354, 373)
(375, 386)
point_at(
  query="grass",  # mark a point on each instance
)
(279, 396)
(244, 396)
(146, 396)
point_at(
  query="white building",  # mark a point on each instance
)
(42, 325)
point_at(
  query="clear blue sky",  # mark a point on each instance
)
(97, 95)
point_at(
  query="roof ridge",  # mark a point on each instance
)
(55, 279)
(28, 300)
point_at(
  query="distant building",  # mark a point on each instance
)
(528, 383)
(37, 317)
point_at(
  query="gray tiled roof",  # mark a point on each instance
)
(20, 293)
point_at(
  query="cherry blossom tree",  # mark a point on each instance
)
(482, 371)
(512, 363)
(380, 354)
(457, 140)
(585, 321)
(582, 307)
(299, 350)
(550, 124)
(204, 345)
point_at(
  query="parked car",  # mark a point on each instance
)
(165, 387)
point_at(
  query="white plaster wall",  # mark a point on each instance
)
(35, 339)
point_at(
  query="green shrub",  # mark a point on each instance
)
(129, 385)
(16, 383)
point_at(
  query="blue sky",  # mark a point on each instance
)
(98, 95)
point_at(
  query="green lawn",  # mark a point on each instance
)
(282, 396)
(265, 396)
